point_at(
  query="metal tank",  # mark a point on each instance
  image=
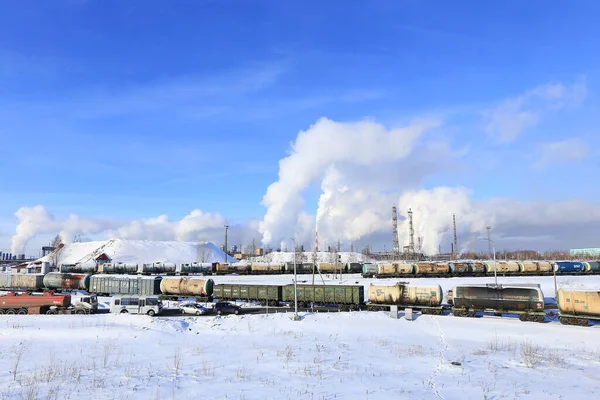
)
(354, 268)
(58, 280)
(528, 267)
(330, 268)
(568, 266)
(432, 269)
(591, 266)
(406, 295)
(79, 268)
(544, 266)
(579, 302)
(262, 268)
(159, 268)
(502, 267)
(460, 268)
(196, 268)
(512, 297)
(183, 286)
(394, 269)
(478, 268)
(369, 269)
(21, 281)
(118, 268)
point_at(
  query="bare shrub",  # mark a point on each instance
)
(177, 362)
(19, 352)
(532, 353)
(501, 344)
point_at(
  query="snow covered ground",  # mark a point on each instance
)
(361, 355)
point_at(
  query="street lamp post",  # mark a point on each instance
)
(226, 228)
(494, 249)
(296, 317)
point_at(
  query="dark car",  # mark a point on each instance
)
(224, 307)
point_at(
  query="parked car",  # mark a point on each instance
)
(193, 308)
(224, 307)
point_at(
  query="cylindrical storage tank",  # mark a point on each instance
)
(502, 267)
(45, 267)
(394, 269)
(58, 280)
(592, 266)
(569, 266)
(579, 302)
(528, 267)
(187, 286)
(460, 267)
(431, 269)
(544, 266)
(385, 294)
(369, 269)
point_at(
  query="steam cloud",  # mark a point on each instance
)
(195, 226)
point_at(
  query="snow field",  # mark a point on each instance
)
(359, 355)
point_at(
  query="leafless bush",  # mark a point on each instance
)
(19, 352)
(501, 344)
(177, 362)
(532, 354)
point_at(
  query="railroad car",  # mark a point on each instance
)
(348, 297)
(265, 294)
(478, 268)
(528, 267)
(526, 300)
(544, 267)
(59, 280)
(369, 270)
(80, 268)
(330, 268)
(502, 267)
(27, 282)
(186, 286)
(427, 299)
(197, 268)
(118, 268)
(158, 268)
(354, 268)
(591, 266)
(301, 268)
(226, 268)
(104, 285)
(262, 268)
(392, 270)
(578, 307)
(569, 267)
(461, 268)
(432, 269)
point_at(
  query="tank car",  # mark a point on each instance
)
(354, 267)
(158, 268)
(578, 307)
(592, 266)
(26, 282)
(197, 268)
(118, 268)
(394, 270)
(369, 270)
(526, 300)
(432, 269)
(544, 267)
(478, 268)
(429, 298)
(328, 268)
(184, 286)
(566, 267)
(461, 268)
(301, 268)
(81, 268)
(528, 267)
(59, 280)
(502, 267)
(262, 268)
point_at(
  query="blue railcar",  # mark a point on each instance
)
(569, 266)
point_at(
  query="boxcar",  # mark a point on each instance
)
(28, 282)
(348, 297)
(125, 284)
(266, 294)
(524, 299)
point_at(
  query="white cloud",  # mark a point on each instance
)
(195, 226)
(511, 117)
(560, 152)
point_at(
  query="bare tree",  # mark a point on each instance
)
(58, 245)
(202, 252)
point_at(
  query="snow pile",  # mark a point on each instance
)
(307, 256)
(324, 356)
(140, 252)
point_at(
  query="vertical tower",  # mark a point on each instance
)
(411, 232)
(395, 244)
(455, 247)
(316, 241)
(226, 228)
(489, 242)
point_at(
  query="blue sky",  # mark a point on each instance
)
(129, 110)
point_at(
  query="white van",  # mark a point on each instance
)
(136, 304)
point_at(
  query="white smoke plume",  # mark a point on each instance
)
(196, 226)
(328, 151)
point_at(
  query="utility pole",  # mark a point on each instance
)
(489, 240)
(455, 246)
(296, 317)
(226, 228)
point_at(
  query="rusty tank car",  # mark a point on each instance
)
(432, 269)
(426, 298)
(64, 281)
